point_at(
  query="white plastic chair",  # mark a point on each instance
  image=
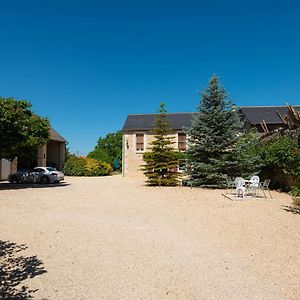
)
(254, 184)
(240, 186)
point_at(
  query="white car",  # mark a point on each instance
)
(37, 175)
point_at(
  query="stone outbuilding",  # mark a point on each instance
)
(52, 154)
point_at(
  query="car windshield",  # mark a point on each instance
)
(50, 169)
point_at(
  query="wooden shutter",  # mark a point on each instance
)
(139, 142)
(181, 141)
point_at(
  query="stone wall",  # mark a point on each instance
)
(56, 154)
(133, 159)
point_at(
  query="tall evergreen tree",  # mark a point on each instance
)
(161, 160)
(212, 138)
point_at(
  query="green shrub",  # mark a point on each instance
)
(91, 167)
(281, 161)
(295, 192)
(282, 154)
(78, 166)
(105, 168)
(74, 166)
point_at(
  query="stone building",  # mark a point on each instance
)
(51, 155)
(137, 131)
(137, 134)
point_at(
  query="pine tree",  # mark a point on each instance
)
(161, 160)
(212, 138)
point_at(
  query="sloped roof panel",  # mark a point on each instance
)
(146, 121)
(55, 136)
(256, 114)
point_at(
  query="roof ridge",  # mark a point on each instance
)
(179, 113)
(255, 106)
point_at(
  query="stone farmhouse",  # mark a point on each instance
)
(137, 131)
(51, 155)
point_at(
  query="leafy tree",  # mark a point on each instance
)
(20, 129)
(161, 159)
(281, 155)
(109, 149)
(245, 156)
(212, 138)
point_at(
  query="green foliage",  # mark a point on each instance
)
(161, 160)
(20, 129)
(108, 149)
(245, 158)
(104, 168)
(296, 201)
(81, 166)
(283, 154)
(74, 166)
(295, 192)
(212, 138)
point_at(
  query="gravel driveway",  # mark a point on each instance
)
(114, 238)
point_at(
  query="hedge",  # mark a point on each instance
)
(79, 166)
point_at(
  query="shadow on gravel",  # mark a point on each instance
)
(20, 186)
(292, 209)
(14, 269)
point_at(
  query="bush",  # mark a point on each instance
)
(105, 168)
(79, 166)
(74, 166)
(281, 161)
(282, 154)
(295, 192)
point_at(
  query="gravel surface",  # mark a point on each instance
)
(115, 238)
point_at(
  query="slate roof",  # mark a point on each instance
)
(55, 136)
(253, 114)
(256, 114)
(177, 121)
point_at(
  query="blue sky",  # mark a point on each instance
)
(87, 64)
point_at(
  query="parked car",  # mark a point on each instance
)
(37, 175)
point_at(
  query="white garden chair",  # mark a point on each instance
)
(240, 186)
(254, 186)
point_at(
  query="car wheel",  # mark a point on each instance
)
(45, 180)
(14, 179)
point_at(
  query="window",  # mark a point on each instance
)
(181, 141)
(139, 142)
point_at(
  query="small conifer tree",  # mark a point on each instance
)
(212, 138)
(161, 160)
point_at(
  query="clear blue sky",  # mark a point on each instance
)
(87, 64)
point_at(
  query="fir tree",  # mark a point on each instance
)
(212, 138)
(161, 160)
